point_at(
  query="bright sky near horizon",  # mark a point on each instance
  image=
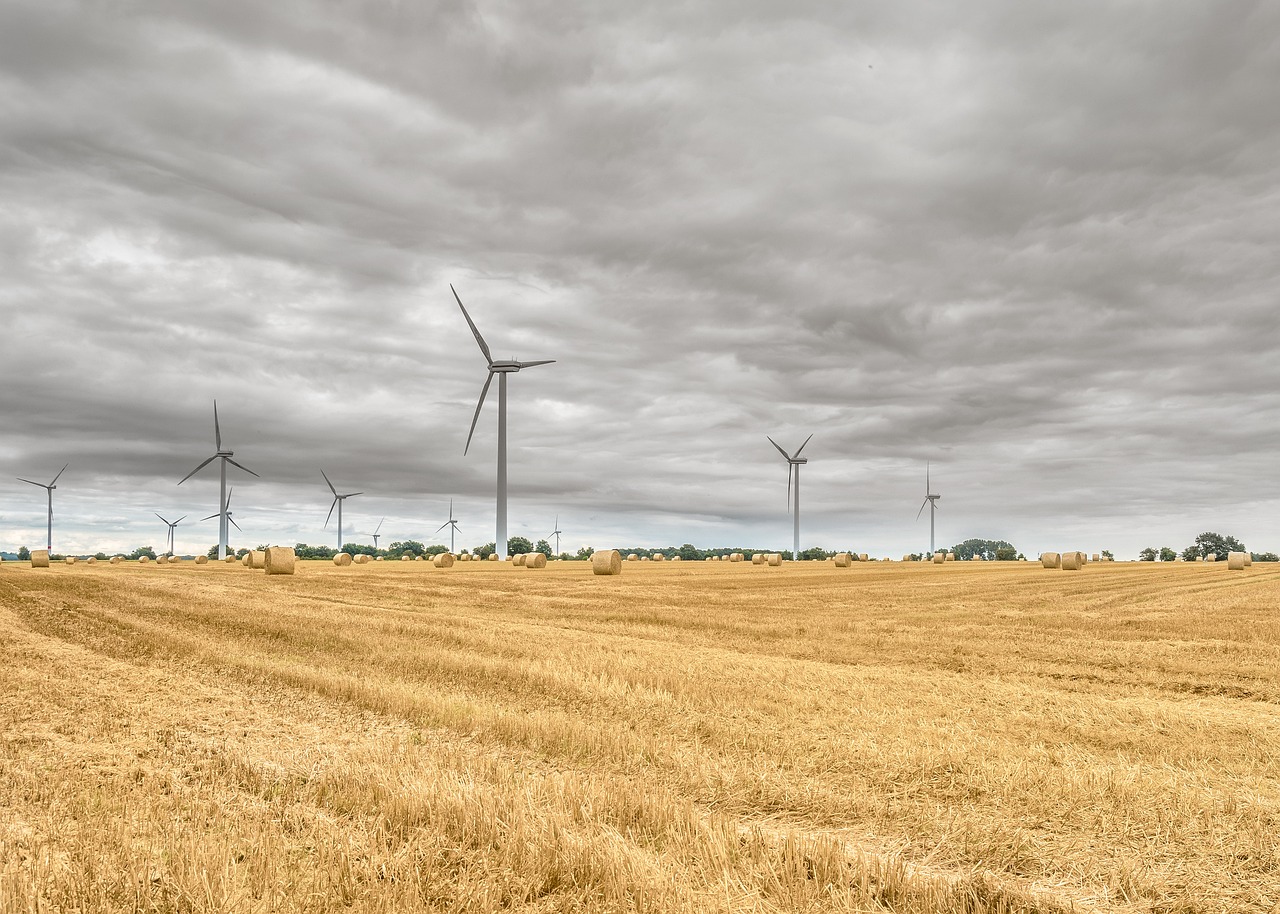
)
(1033, 244)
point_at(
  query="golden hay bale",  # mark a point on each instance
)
(775, 559)
(247, 559)
(735, 556)
(406, 558)
(40, 558)
(862, 557)
(493, 556)
(633, 558)
(230, 559)
(606, 561)
(1235, 561)
(976, 558)
(645, 558)
(144, 560)
(380, 558)
(1072, 561)
(939, 558)
(710, 558)
(279, 560)
(906, 558)
(175, 560)
(1211, 557)
(1095, 557)
(535, 560)
(443, 560)
(675, 558)
(1248, 559)
(1050, 559)
(951, 557)
(202, 559)
(843, 560)
(257, 559)
(69, 560)
(117, 559)
(360, 559)
(465, 557)
(518, 560)
(91, 560)
(342, 559)
(757, 558)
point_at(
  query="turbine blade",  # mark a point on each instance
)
(217, 429)
(532, 364)
(40, 484)
(232, 522)
(352, 494)
(484, 347)
(331, 488)
(330, 514)
(211, 517)
(921, 511)
(441, 527)
(806, 441)
(179, 520)
(157, 514)
(476, 418)
(379, 527)
(243, 467)
(780, 450)
(60, 472)
(198, 469)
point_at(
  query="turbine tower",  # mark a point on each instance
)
(501, 369)
(224, 497)
(794, 462)
(452, 525)
(556, 533)
(172, 524)
(48, 488)
(224, 518)
(932, 502)
(337, 502)
(374, 534)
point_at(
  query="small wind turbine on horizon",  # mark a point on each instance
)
(932, 502)
(337, 502)
(452, 525)
(501, 369)
(172, 524)
(224, 497)
(556, 533)
(224, 518)
(794, 462)
(374, 534)
(49, 489)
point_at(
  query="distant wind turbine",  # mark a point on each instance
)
(172, 524)
(451, 524)
(501, 369)
(337, 503)
(932, 502)
(224, 497)
(374, 534)
(49, 489)
(224, 518)
(556, 533)
(794, 462)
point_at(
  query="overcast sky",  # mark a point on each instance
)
(1032, 243)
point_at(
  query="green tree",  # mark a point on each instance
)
(1265, 557)
(584, 554)
(24, 554)
(408, 547)
(813, 554)
(138, 553)
(544, 547)
(1006, 554)
(691, 553)
(518, 545)
(358, 549)
(1208, 544)
(1167, 554)
(484, 551)
(987, 549)
(1147, 555)
(1107, 554)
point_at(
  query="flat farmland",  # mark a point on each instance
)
(685, 737)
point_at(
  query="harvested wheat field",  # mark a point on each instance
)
(690, 737)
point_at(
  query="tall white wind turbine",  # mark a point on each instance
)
(451, 524)
(224, 496)
(171, 524)
(556, 533)
(932, 502)
(794, 462)
(337, 503)
(501, 369)
(49, 489)
(375, 533)
(224, 518)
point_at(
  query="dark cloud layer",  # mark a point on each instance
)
(1030, 243)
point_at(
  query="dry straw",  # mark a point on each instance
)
(1248, 559)
(342, 559)
(69, 560)
(535, 560)
(117, 559)
(939, 558)
(1050, 560)
(645, 558)
(247, 560)
(1235, 561)
(775, 559)
(230, 559)
(951, 557)
(1211, 557)
(443, 560)
(660, 557)
(633, 558)
(493, 556)
(279, 560)
(1096, 557)
(406, 558)
(843, 560)
(675, 558)
(518, 560)
(257, 559)
(360, 559)
(175, 560)
(906, 558)
(606, 561)
(757, 558)
(735, 556)
(202, 560)
(1072, 561)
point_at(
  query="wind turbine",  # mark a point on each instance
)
(932, 502)
(172, 524)
(451, 524)
(225, 518)
(337, 502)
(556, 533)
(501, 369)
(224, 497)
(794, 463)
(48, 488)
(374, 534)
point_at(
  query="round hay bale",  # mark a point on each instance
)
(202, 560)
(279, 560)
(843, 560)
(39, 558)
(535, 560)
(443, 560)
(91, 560)
(406, 558)
(117, 559)
(465, 557)
(1072, 561)
(675, 558)
(606, 561)
(757, 558)
(976, 558)
(735, 556)
(247, 560)
(230, 559)
(1235, 561)
(659, 557)
(951, 557)
(939, 558)
(862, 557)
(1248, 559)
(69, 560)
(1096, 557)
(1211, 557)
(257, 559)
(775, 559)
(144, 560)
(360, 559)
(379, 558)
(633, 557)
(1050, 560)
(906, 558)
(342, 559)
(519, 560)
(175, 560)
(493, 556)
(645, 558)
(710, 558)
